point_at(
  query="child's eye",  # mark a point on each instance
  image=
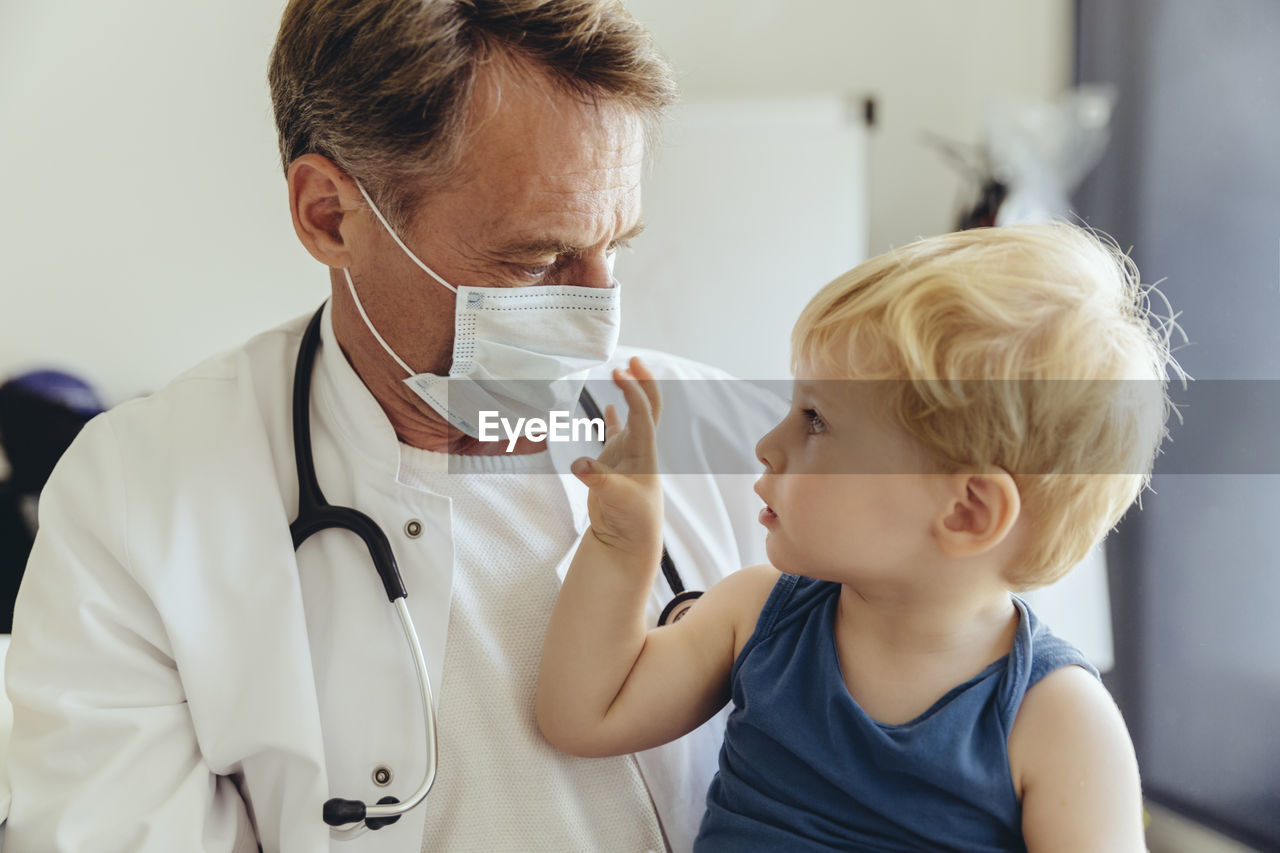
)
(814, 420)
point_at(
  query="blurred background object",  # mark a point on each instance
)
(41, 412)
(1041, 150)
(1032, 156)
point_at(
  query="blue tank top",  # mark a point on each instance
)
(804, 768)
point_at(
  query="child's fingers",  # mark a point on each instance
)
(612, 423)
(639, 410)
(641, 371)
(591, 472)
(596, 476)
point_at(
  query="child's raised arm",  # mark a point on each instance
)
(607, 685)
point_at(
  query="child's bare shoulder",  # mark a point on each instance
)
(1074, 768)
(757, 580)
(745, 586)
(1067, 720)
(739, 598)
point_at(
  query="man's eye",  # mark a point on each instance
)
(533, 272)
(814, 420)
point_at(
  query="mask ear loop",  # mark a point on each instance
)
(369, 323)
(352, 286)
(394, 236)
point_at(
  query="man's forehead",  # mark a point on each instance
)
(541, 171)
(514, 99)
(551, 144)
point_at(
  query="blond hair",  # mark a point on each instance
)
(383, 87)
(1031, 348)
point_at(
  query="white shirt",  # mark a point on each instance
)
(513, 527)
(182, 680)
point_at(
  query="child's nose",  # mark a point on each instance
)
(767, 451)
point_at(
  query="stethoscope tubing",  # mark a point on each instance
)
(339, 812)
(316, 514)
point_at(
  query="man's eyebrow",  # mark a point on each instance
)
(636, 231)
(529, 248)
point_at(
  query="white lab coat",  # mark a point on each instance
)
(182, 681)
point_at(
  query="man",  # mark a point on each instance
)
(182, 679)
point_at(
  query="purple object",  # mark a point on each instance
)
(62, 388)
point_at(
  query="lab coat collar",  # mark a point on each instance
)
(350, 407)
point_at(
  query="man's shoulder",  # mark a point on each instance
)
(265, 352)
(233, 405)
(251, 373)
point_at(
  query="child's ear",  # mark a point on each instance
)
(980, 510)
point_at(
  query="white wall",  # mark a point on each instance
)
(753, 205)
(932, 65)
(145, 223)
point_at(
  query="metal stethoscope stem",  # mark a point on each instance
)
(338, 812)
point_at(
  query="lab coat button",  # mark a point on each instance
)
(413, 528)
(382, 776)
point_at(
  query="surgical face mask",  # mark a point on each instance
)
(520, 351)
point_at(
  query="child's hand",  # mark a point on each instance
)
(625, 503)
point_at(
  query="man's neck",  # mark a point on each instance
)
(415, 423)
(419, 426)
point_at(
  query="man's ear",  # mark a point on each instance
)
(980, 511)
(321, 195)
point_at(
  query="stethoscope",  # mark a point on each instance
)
(316, 514)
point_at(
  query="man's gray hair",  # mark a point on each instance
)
(382, 87)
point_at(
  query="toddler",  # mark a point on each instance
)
(971, 414)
